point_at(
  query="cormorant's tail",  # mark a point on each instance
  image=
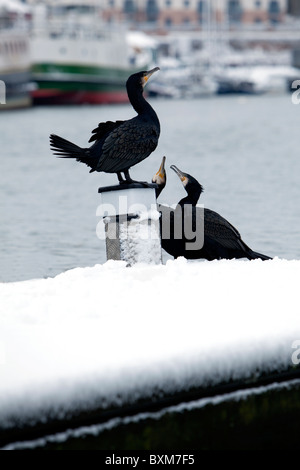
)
(65, 149)
(255, 255)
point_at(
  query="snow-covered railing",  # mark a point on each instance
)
(93, 344)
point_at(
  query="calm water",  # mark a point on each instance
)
(245, 152)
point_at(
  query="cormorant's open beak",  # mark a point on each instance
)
(162, 172)
(181, 175)
(148, 75)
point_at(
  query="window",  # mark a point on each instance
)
(258, 4)
(201, 6)
(186, 3)
(274, 7)
(234, 11)
(274, 11)
(168, 3)
(152, 11)
(202, 10)
(129, 7)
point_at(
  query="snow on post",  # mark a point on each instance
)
(131, 220)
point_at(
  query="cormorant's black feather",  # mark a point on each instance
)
(103, 129)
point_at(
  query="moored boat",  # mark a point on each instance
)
(77, 58)
(14, 56)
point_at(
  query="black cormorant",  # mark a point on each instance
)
(118, 145)
(221, 240)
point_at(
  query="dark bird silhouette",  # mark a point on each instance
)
(118, 145)
(219, 239)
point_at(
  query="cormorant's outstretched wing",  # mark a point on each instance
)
(128, 144)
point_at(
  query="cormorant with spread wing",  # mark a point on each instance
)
(220, 238)
(118, 145)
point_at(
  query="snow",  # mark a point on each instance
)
(140, 240)
(110, 334)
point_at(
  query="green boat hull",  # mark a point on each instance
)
(78, 84)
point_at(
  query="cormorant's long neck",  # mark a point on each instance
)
(158, 190)
(192, 198)
(139, 103)
(186, 200)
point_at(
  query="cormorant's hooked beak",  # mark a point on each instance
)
(162, 172)
(160, 178)
(180, 173)
(148, 74)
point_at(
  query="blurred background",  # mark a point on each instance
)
(226, 97)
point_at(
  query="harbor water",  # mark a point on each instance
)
(244, 150)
